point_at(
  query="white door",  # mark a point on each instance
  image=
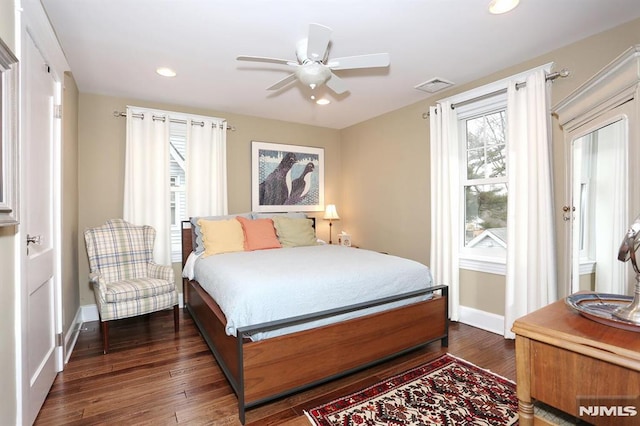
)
(40, 352)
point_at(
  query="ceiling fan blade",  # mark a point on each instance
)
(362, 61)
(318, 41)
(336, 84)
(280, 84)
(268, 60)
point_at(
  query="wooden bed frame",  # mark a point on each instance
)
(268, 369)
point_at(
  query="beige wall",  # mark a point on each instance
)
(69, 202)
(386, 167)
(385, 184)
(102, 150)
(479, 290)
(7, 23)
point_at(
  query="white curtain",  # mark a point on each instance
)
(206, 167)
(445, 202)
(146, 179)
(531, 268)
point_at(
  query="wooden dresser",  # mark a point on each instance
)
(562, 357)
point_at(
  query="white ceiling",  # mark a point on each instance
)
(114, 47)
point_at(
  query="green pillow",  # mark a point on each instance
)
(294, 232)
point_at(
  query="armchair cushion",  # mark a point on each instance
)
(133, 307)
(138, 288)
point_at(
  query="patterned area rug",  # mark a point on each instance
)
(446, 391)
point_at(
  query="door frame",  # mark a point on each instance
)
(33, 21)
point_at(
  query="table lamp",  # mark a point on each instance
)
(331, 214)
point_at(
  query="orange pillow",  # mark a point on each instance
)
(259, 234)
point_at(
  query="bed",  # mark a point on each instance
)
(268, 357)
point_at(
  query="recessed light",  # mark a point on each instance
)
(323, 101)
(502, 6)
(166, 72)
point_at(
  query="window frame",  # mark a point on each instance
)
(466, 101)
(176, 225)
(478, 259)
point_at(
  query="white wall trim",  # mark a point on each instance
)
(71, 335)
(37, 24)
(481, 319)
(89, 313)
(483, 265)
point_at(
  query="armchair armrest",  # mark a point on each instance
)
(164, 272)
(94, 277)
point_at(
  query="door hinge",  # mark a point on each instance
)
(57, 111)
(59, 339)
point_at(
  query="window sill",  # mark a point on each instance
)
(489, 265)
(587, 267)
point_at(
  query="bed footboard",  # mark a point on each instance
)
(268, 369)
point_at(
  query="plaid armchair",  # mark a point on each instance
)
(126, 281)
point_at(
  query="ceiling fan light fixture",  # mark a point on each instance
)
(502, 6)
(313, 69)
(323, 101)
(313, 74)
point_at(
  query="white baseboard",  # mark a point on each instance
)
(89, 313)
(481, 319)
(71, 335)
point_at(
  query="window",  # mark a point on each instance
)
(178, 187)
(185, 156)
(484, 189)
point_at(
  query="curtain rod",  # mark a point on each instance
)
(549, 77)
(172, 120)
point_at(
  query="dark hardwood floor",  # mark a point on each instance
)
(153, 376)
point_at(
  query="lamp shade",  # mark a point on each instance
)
(330, 212)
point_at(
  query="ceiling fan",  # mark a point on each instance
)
(312, 66)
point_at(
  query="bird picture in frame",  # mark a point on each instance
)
(287, 177)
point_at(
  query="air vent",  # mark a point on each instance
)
(434, 85)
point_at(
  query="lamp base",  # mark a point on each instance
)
(330, 230)
(631, 312)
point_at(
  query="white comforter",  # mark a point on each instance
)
(266, 285)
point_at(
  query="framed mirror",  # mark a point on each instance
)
(8, 136)
(599, 119)
(599, 199)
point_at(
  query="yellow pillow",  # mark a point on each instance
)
(221, 236)
(294, 232)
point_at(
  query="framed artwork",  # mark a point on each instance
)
(286, 178)
(8, 137)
